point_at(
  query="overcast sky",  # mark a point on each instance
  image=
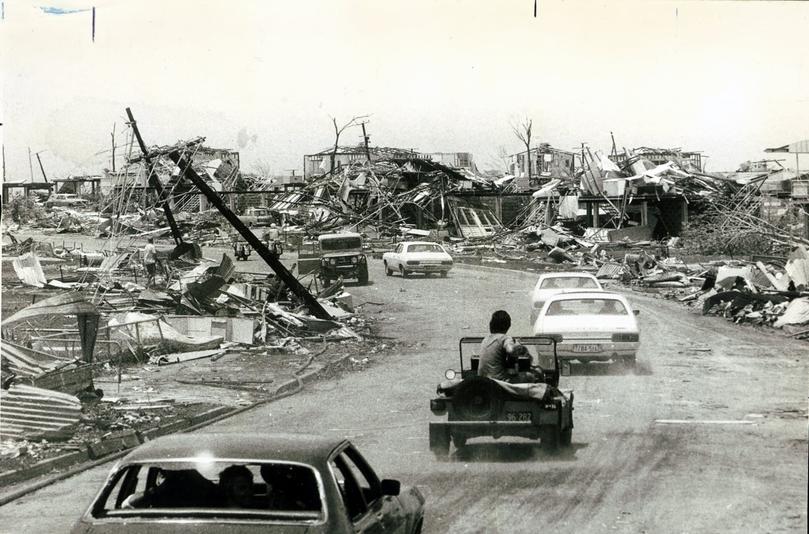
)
(727, 78)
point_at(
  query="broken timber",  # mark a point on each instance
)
(187, 171)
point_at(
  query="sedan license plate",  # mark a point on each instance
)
(586, 348)
(518, 416)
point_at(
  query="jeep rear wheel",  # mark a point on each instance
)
(388, 271)
(439, 442)
(551, 437)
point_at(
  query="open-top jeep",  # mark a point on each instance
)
(342, 255)
(529, 405)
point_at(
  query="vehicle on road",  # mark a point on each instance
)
(64, 199)
(250, 483)
(342, 255)
(550, 284)
(592, 326)
(417, 257)
(530, 405)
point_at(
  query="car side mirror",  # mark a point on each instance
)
(391, 487)
(636, 312)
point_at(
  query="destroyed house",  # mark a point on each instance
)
(658, 156)
(320, 163)
(457, 160)
(547, 163)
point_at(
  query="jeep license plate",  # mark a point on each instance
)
(586, 348)
(518, 416)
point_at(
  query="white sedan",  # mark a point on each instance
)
(417, 257)
(554, 283)
(594, 326)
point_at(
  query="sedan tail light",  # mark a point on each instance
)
(624, 336)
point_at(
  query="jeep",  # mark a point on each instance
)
(341, 255)
(529, 405)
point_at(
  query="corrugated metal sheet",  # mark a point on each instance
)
(35, 413)
(29, 270)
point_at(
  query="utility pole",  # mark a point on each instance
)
(30, 165)
(365, 141)
(154, 181)
(40, 166)
(113, 147)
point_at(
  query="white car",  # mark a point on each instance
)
(554, 283)
(417, 257)
(594, 326)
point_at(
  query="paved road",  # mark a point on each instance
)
(708, 435)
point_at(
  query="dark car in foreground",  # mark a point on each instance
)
(529, 405)
(250, 483)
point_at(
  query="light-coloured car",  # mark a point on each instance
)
(594, 326)
(417, 257)
(554, 283)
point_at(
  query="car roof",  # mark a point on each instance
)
(302, 448)
(579, 295)
(567, 274)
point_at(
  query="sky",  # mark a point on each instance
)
(265, 77)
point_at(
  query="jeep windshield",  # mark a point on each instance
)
(340, 243)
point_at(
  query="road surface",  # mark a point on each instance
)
(707, 435)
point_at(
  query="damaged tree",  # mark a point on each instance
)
(523, 133)
(337, 132)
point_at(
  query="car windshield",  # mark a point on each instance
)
(587, 307)
(573, 282)
(425, 247)
(340, 243)
(205, 488)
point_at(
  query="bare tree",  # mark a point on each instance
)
(337, 131)
(523, 133)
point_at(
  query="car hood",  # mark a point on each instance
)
(340, 253)
(567, 324)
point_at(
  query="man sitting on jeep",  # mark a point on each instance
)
(498, 351)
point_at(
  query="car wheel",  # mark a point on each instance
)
(439, 442)
(551, 437)
(444, 274)
(566, 437)
(362, 277)
(629, 362)
(388, 271)
(402, 271)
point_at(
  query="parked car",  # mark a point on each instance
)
(529, 406)
(342, 255)
(555, 283)
(64, 199)
(250, 483)
(417, 257)
(593, 326)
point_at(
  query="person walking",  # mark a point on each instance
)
(150, 261)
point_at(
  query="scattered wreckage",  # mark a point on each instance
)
(529, 405)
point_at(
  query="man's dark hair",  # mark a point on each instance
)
(233, 472)
(500, 322)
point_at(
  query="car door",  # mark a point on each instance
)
(398, 256)
(369, 511)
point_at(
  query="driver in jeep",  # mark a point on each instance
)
(499, 351)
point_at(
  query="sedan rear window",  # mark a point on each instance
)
(428, 247)
(577, 282)
(587, 307)
(267, 490)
